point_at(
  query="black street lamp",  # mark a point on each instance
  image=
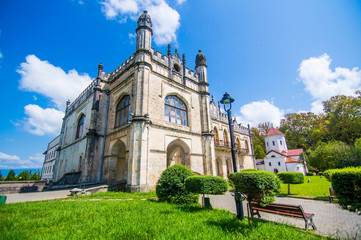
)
(227, 101)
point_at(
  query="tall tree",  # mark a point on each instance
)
(304, 130)
(344, 115)
(24, 175)
(10, 176)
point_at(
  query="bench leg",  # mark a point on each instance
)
(310, 223)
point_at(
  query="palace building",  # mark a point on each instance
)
(129, 125)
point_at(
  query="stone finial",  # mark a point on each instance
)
(145, 20)
(200, 59)
(184, 59)
(212, 98)
(169, 52)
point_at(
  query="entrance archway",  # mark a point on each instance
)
(118, 163)
(178, 153)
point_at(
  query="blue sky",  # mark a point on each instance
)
(273, 57)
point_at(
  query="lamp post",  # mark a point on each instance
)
(227, 101)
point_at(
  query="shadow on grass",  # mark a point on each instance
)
(234, 225)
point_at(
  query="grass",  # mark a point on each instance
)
(318, 188)
(135, 219)
(119, 195)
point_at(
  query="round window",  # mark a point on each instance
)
(177, 67)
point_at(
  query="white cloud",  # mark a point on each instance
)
(322, 82)
(41, 121)
(4, 156)
(260, 111)
(181, 1)
(165, 19)
(46, 79)
(35, 161)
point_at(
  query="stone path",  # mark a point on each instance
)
(330, 219)
(36, 196)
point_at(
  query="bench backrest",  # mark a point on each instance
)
(293, 210)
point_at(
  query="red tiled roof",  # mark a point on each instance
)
(260, 163)
(273, 131)
(294, 152)
(291, 160)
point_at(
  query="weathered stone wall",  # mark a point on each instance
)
(21, 186)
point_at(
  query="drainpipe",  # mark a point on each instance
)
(252, 150)
(104, 135)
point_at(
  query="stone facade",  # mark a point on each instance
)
(49, 160)
(149, 113)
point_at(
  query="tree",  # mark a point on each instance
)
(291, 178)
(258, 152)
(35, 176)
(1, 177)
(331, 155)
(344, 114)
(304, 130)
(10, 176)
(257, 186)
(24, 175)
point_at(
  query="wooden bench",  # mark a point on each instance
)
(332, 195)
(283, 209)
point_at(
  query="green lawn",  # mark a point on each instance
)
(131, 219)
(318, 187)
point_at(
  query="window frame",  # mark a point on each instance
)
(122, 112)
(178, 113)
(80, 127)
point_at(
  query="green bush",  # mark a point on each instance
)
(170, 186)
(206, 185)
(291, 178)
(309, 174)
(257, 186)
(346, 183)
(321, 173)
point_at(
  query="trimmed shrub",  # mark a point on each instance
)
(320, 173)
(213, 185)
(291, 178)
(346, 183)
(257, 186)
(170, 186)
(309, 174)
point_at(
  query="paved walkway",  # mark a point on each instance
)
(330, 219)
(36, 196)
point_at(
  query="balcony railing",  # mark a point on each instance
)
(222, 144)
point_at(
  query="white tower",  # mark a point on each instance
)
(275, 140)
(144, 32)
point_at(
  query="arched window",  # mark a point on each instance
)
(122, 111)
(79, 129)
(238, 144)
(225, 136)
(247, 147)
(175, 111)
(216, 138)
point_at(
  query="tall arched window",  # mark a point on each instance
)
(238, 144)
(225, 136)
(216, 138)
(247, 146)
(122, 111)
(175, 111)
(79, 129)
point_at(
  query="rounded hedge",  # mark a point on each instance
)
(309, 174)
(171, 188)
(291, 177)
(346, 183)
(258, 186)
(206, 184)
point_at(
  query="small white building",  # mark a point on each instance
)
(278, 157)
(49, 161)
